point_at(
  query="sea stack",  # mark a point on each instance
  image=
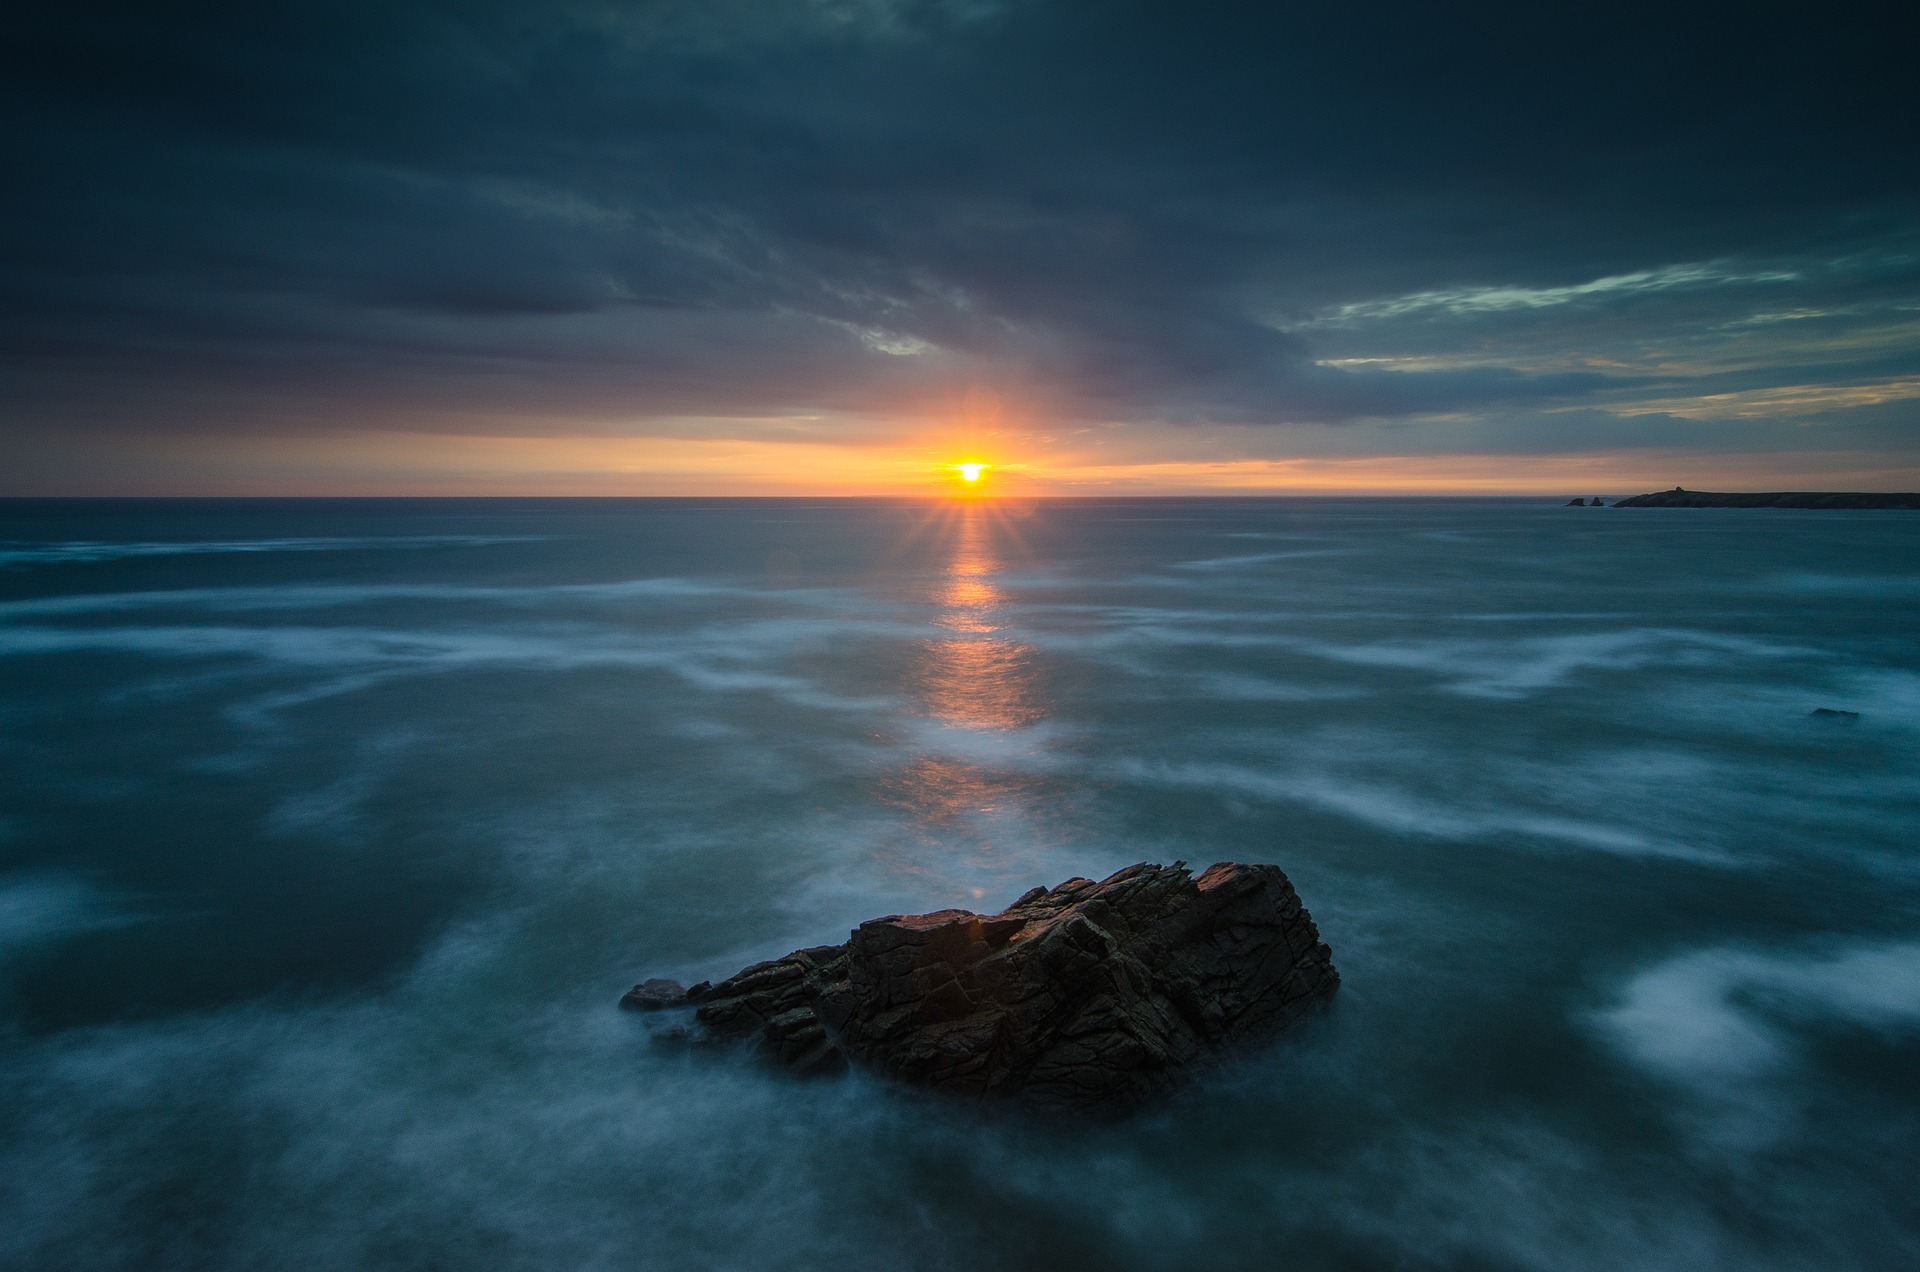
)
(1093, 997)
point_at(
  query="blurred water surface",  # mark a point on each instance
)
(330, 831)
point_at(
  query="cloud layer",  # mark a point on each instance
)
(717, 219)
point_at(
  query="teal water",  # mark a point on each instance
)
(330, 832)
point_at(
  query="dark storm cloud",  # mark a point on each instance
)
(1150, 211)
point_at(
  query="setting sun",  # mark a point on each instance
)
(972, 474)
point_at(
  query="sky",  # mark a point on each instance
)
(836, 246)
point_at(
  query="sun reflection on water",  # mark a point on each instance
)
(973, 676)
(978, 676)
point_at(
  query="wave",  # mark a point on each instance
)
(86, 551)
(328, 596)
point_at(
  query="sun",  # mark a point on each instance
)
(972, 474)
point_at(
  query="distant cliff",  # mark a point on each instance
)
(1678, 498)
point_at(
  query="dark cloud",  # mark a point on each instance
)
(1230, 212)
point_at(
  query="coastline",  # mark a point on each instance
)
(1679, 498)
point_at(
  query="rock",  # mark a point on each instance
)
(1576, 503)
(653, 995)
(1089, 996)
(1832, 716)
(1596, 502)
(675, 1035)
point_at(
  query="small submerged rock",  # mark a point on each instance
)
(1833, 716)
(655, 995)
(1088, 996)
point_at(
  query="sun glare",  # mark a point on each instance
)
(972, 474)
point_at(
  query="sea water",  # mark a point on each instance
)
(332, 832)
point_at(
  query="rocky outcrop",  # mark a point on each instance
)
(1679, 498)
(1089, 996)
(655, 995)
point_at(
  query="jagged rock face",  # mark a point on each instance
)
(1090, 996)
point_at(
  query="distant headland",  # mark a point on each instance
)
(1681, 498)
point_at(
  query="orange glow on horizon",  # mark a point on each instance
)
(910, 458)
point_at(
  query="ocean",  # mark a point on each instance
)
(332, 831)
